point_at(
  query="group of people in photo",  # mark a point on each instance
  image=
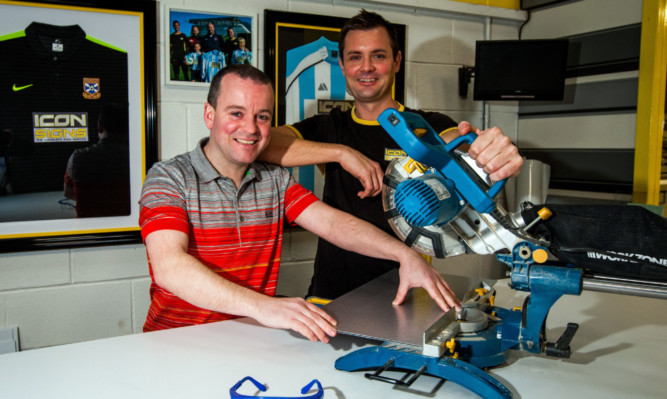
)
(198, 57)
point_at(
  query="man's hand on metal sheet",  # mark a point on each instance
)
(296, 314)
(416, 272)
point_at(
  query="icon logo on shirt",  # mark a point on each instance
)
(391, 154)
(325, 106)
(59, 127)
(323, 87)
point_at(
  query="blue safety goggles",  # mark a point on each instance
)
(317, 395)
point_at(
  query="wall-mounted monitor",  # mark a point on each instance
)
(520, 69)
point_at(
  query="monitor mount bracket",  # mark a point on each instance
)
(465, 73)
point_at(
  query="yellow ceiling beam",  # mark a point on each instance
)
(511, 4)
(650, 103)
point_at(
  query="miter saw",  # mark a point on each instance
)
(440, 203)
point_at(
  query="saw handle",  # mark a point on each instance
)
(423, 144)
(469, 138)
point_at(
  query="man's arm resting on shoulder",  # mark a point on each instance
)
(353, 234)
(186, 277)
(288, 150)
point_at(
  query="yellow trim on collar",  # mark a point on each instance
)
(448, 130)
(360, 121)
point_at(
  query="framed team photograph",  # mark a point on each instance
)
(301, 56)
(78, 121)
(200, 43)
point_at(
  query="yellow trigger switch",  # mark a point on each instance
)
(451, 344)
(540, 255)
(419, 132)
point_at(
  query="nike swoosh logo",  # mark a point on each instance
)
(19, 88)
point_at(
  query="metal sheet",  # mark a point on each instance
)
(367, 311)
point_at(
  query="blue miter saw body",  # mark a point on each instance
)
(438, 203)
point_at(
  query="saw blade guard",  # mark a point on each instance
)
(418, 139)
(437, 241)
(480, 232)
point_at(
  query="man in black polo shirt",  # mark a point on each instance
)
(231, 44)
(178, 46)
(357, 150)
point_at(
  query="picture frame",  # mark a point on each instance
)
(288, 36)
(201, 68)
(284, 31)
(34, 210)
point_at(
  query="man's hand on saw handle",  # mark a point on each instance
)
(494, 152)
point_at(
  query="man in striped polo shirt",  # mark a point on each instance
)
(212, 222)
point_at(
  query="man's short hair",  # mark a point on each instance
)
(367, 20)
(244, 71)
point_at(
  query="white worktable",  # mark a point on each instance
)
(620, 351)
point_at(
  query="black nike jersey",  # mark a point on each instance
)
(54, 80)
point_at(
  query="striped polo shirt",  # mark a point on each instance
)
(237, 233)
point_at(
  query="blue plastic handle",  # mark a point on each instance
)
(429, 149)
(469, 138)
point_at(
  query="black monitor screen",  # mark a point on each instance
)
(520, 69)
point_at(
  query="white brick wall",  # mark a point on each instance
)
(65, 296)
(108, 263)
(140, 302)
(78, 312)
(34, 269)
(3, 313)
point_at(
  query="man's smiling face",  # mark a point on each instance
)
(368, 64)
(240, 123)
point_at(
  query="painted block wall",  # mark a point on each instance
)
(603, 130)
(66, 296)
